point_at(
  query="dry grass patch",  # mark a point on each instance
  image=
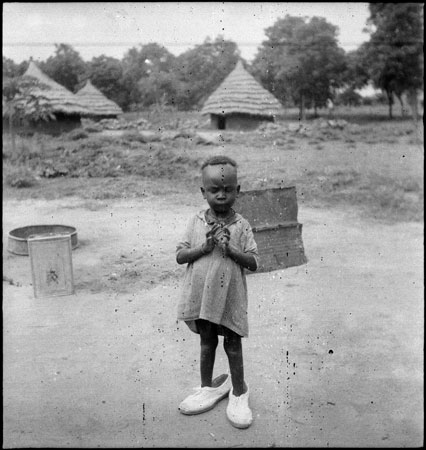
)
(375, 165)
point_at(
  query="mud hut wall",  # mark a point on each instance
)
(238, 122)
(214, 121)
(62, 124)
(243, 122)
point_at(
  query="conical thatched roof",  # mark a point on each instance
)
(241, 93)
(96, 102)
(60, 99)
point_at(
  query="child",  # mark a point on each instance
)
(217, 246)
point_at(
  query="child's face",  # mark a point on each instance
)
(220, 187)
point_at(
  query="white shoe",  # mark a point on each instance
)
(205, 398)
(238, 410)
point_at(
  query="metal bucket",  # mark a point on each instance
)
(51, 265)
(18, 238)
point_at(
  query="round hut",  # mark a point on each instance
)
(241, 103)
(99, 106)
(62, 103)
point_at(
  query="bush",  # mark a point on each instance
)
(349, 98)
(133, 136)
(92, 129)
(381, 99)
(375, 100)
(25, 151)
(20, 177)
(77, 134)
(368, 101)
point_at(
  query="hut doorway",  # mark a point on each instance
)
(221, 123)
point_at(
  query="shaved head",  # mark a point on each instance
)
(220, 183)
(218, 159)
(220, 173)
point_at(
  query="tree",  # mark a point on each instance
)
(13, 70)
(356, 75)
(66, 67)
(138, 64)
(20, 104)
(158, 87)
(394, 54)
(301, 59)
(349, 97)
(202, 69)
(264, 70)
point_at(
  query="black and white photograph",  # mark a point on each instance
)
(213, 225)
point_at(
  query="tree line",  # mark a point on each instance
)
(300, 62)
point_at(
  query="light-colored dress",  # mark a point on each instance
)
(214, 286)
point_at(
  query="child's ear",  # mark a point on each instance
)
(203, 191)
(238, 190)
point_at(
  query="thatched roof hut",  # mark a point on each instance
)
(63, 104)
(240, 102)
(100, 107)
(60, 99)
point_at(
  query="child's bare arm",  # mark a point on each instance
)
(246, 260)
(189, 255)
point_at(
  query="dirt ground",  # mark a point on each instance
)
(334, 357)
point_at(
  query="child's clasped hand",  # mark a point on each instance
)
(222, 236)
(218, 235)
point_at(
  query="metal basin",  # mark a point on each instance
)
(18, 238)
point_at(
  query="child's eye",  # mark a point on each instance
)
(229, 189)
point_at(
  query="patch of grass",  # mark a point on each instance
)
(133, 136)
(340, 168)
(409, 186)
(19, 176)
(378, 197)
(102, 157)
(77, 134)
(90, 205)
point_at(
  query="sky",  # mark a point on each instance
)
(111, 29)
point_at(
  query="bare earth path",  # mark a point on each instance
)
(334, 357)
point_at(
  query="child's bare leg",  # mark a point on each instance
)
(234, 351)
(208, 341)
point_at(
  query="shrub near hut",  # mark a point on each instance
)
(93, 156)
(64, 109)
